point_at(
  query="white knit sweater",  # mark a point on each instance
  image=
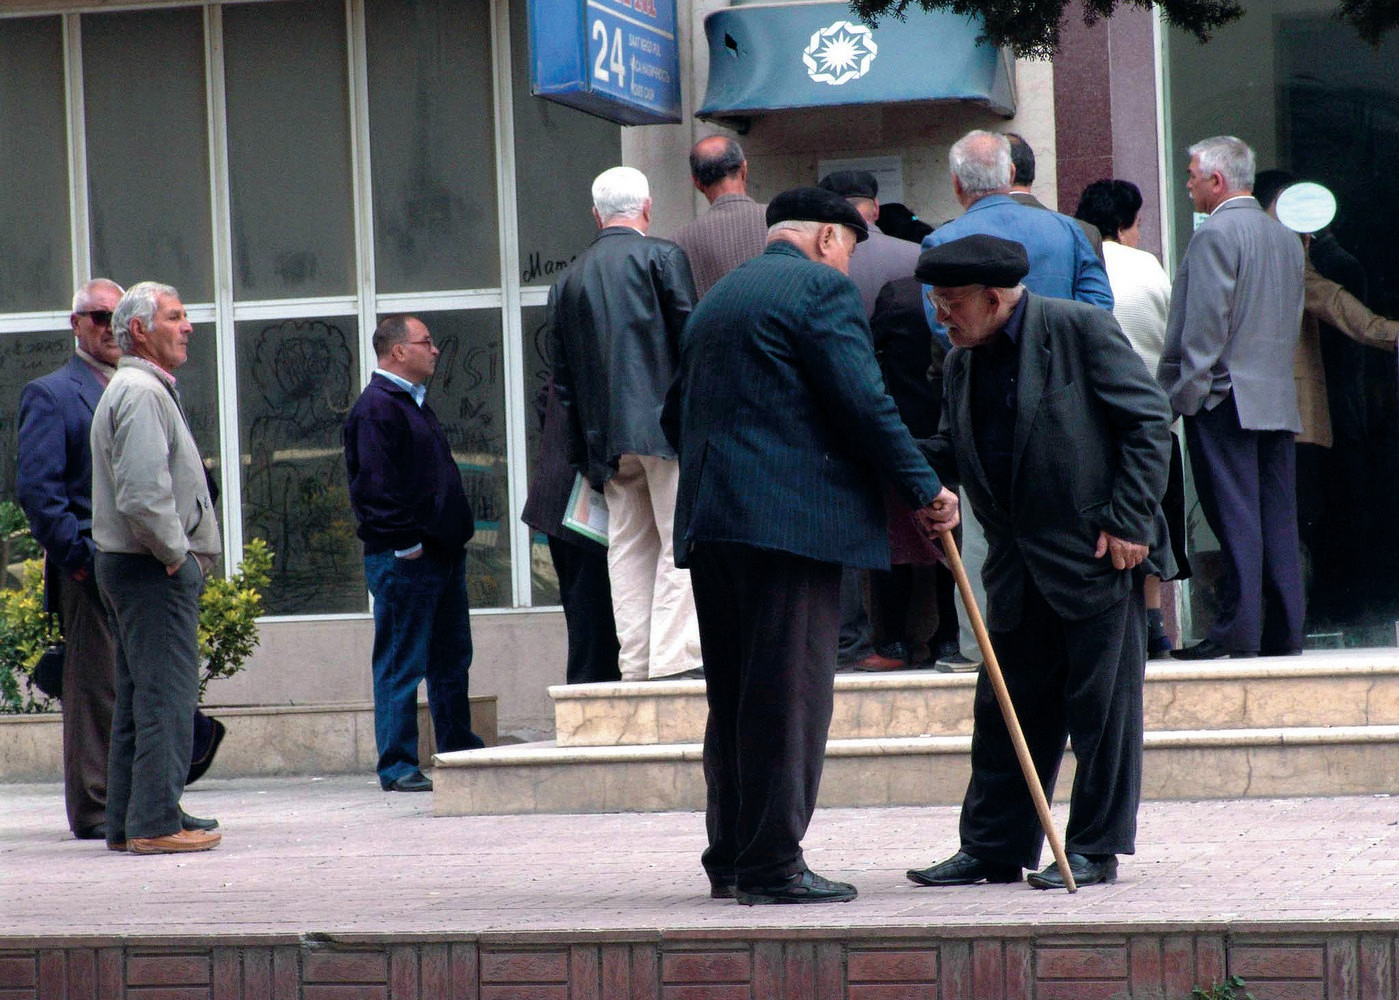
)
(1141, 295)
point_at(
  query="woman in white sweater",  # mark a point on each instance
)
(1141, 295)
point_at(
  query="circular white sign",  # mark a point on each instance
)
(839, 53)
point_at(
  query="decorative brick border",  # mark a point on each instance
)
(898, 964)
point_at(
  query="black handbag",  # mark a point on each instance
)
(47, 674)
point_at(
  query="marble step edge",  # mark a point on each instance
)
(550, 753)
(1345, 663)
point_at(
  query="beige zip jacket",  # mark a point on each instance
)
(149, 494)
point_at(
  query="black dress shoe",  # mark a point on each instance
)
(208, 734)
(188, 822)
(722, 888)
(413, 781)
(1086, 871)
(963, 869)
(1208, 649)
(803, 887)
(1280, 651)
(98, 831)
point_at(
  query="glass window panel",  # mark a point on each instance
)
(297, 379)
(468, 395)
(431, 132)
(198, 383)
(36, 270)
(544, 580)
(148, 149)
(289, 149)
(558, 153)
(23, 358)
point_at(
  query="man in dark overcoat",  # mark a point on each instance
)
(784, 431)
(1060, 438)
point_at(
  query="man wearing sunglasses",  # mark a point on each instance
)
(55, 489)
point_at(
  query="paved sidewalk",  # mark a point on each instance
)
(338, 856)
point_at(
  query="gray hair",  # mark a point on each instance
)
(1229, 156)
(806, 227)
(620, 191)
(139, 302)
(82, 299)
(981, 162)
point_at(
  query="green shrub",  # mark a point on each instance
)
(25, 630)
(1227, 990)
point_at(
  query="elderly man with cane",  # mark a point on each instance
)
(1060, 437)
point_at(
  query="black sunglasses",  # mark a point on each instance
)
(102, 317)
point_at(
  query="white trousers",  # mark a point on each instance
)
(651, 599)
(973, 558)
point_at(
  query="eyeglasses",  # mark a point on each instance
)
(428, 342)
(945, 303)
(99, 317)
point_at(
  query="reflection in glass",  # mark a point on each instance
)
(430, 126)
(148, 149)
(561, 151)
(23, 358)
(289, 149)
(544, 580)
(296, 382)
(35, 263)
(197, 381)
(468, 395)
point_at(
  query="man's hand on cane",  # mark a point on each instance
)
(938, 516)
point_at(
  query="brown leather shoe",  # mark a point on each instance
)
(175, 843)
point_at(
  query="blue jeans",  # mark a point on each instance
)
(421, 629)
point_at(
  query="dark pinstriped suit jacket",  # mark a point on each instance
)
(784, 428)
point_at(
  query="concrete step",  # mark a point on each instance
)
(913, 771)
(1321, 688)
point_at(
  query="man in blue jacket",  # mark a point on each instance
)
(784, 432)
(415, 521)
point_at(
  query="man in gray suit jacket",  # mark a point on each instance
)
(784, 430)
(733, 230)
(1060, 438)
(1236, 313)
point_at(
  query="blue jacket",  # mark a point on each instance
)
(55, 462)
(1062, 263)
(781, 419)
(405, 486)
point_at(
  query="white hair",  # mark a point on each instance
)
(1224, 154)
(139, 302)
(620, 191)
(981, 162)
(82, 299)
(807, 227)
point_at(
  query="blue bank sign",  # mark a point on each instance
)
(617, 59)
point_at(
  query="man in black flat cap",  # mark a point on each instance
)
(1060, 438)
(784, 430)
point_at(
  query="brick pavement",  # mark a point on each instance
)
(337, 856)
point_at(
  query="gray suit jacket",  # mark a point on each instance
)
(1236, 313)
(1092, 447)
(878, 261)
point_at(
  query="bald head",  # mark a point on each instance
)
(717, 167)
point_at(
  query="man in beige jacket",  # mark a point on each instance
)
(156, 535)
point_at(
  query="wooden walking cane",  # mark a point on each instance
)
(998, 684)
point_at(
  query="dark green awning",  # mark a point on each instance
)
(767, 57)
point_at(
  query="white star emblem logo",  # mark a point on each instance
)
(839, 53)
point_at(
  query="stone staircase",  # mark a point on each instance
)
(1326, 723)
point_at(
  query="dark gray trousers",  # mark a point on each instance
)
(88, 658)
(155, 619)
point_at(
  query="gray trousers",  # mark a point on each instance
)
(155, 618)
(87, 697)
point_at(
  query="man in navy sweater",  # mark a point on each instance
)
(415, 521)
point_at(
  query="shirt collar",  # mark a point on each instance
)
(104, 371)
(1228, 200)
(418, 392)
(1015, 324)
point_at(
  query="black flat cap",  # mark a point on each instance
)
(851, 183)
(973, 260)
(816, 205)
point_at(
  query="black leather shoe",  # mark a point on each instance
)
(188, 822)
(803, 887)
(209, 733)
(963, 869)
(721, 888)
(1280, 651)
(1208, 649)
(1086, 871)
(413, 781)
(98, 831)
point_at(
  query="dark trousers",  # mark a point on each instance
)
(1079, 680)
(853, 639)
(586, 593)
(768, 622)
(155, 620)
(88, 696)
(421, 630)
(1247, 485)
